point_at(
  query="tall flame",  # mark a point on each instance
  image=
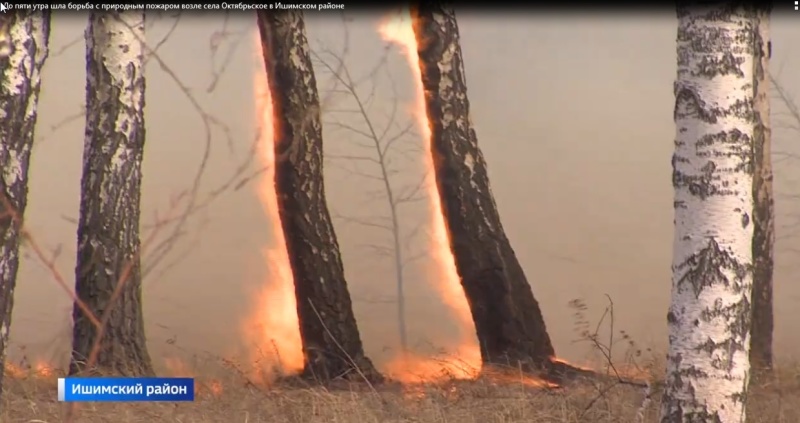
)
(273, 327)
(463, 360)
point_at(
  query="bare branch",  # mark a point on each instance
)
(786, 99)
(350, 128)
(208, 122)
(215, 43)
(164, 39)
(352, 158)
(380, 151)
(364, 221)
(379, 250)
(63, 49)
(412, 193)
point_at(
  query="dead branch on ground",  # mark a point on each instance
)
(613, 376)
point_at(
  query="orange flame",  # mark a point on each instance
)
(14, 371)
(464, 359)
(273, 326)
(39, 370)
(178, 368)
(43, 370)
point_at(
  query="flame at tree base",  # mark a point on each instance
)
(412, 369)
(463, 358)
(272, 330)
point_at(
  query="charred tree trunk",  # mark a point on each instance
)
(331, 341)
(507, 318)
(764, 207)
(23, 50)
(107, 276)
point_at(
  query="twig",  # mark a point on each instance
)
(346, 354)
(103, 322)
(607, 352)
(378, 143)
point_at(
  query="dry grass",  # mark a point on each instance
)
(30, 399)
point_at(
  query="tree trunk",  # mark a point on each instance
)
(764, 207)
(709, 317)
(107, 276)
(509, 323)
(23, 50)
(331, 341)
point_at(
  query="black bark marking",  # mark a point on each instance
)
(690, 104)
(16, 141)
(728, 64)
(508, 321)
(320, 285)
(671, 317)
(731, 143)
(706, 269)
(108, 227)
(678, 415)
(738, 318)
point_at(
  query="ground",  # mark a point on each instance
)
(230, 397)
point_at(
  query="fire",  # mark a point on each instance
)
(39, 370)
(178, 368)
(43, 370)
(14, 371)
(464, 358)
(273, 327)
(215, 387)
(557, 360)
(506, 377)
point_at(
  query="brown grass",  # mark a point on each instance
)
(31, 399)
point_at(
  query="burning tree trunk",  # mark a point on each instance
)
(107, 276)
(709, 317)
(764, 208)
(23, 50)
(509, 323)
(328, 328)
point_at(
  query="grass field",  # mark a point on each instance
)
(230, 397)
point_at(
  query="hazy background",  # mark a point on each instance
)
(573, 114)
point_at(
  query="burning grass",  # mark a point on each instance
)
(426, 389)
(230, 397)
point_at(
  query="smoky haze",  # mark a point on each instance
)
(573, 114)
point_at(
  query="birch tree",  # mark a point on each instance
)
(108, 274)
(508, 320)
(23, 49)
(328, 329)
(709, 316)
(383, 149)
(764, 206)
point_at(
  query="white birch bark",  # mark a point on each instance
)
(108, 227)
(23, 50)
(709, 317)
